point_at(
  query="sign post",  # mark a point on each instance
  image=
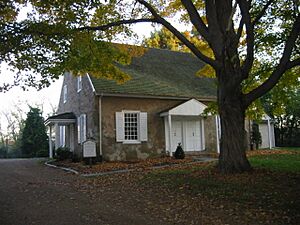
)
(89, 150)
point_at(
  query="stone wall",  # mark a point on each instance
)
(155, 145)
(82, 102)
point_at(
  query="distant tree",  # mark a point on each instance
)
(34, 137)
(11, 129)
(286, 116)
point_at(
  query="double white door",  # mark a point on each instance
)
(188, 133)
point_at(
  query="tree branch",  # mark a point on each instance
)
(262, 12)
(239, 31)
(117, 23)
(281, 68)
(293, 63)
(180, 36)
(245, 8)
(196, 19)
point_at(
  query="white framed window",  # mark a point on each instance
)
(79, 83)
(62, 136)
(131, 127)
(65, 93)
(81, 128)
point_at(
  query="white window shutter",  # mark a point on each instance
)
(83, 127)
(65, 93)
(78, 129)
(143, 126)
(79, 83)
(119, 127)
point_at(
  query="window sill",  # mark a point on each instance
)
(131, 142)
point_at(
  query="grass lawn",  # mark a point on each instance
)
(270, 194)
(277, 162)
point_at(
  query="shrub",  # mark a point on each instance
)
(42, 153)
(63, 153)
(255, 136)
(179, 153)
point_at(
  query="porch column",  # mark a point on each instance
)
(50, 142)
(57, 136)
(71, 137)
(170, 134)
(202, 134)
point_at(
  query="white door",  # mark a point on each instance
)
(176, 134)
(193, 136)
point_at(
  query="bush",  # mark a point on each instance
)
(255, 136)
(63, 153)
(179, 153)
(42, 153)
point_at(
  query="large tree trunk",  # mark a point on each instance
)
(233, 144)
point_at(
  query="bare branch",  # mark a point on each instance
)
(180, 36)
(262, 12)
(240, 30)
(117, 23)
(281, 68)
(196, 19)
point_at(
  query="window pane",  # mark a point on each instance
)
(131, 126)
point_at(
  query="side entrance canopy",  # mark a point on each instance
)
(64, 125)
(185, 125)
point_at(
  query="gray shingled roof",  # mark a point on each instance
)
(161, 73)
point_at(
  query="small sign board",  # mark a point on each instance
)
(89, 149)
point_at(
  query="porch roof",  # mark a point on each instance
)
(61, 119)
(191, 107)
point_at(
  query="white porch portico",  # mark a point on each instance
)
(63, 125)
(184, 124)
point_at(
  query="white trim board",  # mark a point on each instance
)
(191, 107)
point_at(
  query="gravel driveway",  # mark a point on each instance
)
(31, 193)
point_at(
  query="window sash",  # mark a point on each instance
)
(131, 126)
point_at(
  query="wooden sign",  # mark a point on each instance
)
(89, 149)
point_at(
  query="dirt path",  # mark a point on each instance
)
(31, 193)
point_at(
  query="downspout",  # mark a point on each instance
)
(100, 125)
(170, 134)
(269, 134)
(217, 134)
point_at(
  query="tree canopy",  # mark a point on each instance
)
(253, 44)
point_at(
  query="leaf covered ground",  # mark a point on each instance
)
(198, 194)
(129, 165)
